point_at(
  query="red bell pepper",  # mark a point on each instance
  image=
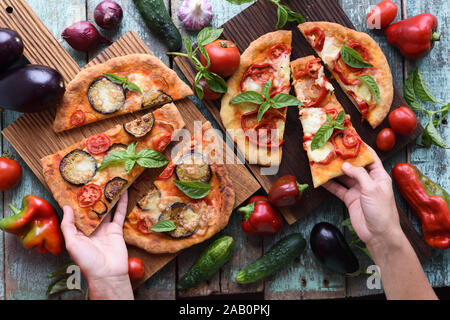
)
(428, 200)
(415, 36)
(260, 218)
(36, 225)
(286, 191)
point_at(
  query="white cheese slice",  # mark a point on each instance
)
(320, 81)
(319, 154)
(363, 92)
(312, 119)
(329, 51)
(251, 85)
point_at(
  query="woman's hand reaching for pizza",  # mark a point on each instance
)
(103, 256)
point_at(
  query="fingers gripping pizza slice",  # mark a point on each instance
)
(358, 65)
(90, 175)
(266, 58)
(328, 135)
(194, 220)
(120, 85)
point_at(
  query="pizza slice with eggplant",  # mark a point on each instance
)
(329, 137)
(357, 63)
(90, 175)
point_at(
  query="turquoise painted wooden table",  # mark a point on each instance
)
(23, 274)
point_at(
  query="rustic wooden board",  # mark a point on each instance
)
(259, 19)
(47, 141)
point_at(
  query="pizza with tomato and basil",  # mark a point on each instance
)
(329, 137)
(190, 201)
(120, 85)
(358, 65)
(90, 175)
(266, 59)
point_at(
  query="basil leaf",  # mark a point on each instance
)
(129, 164)
(123, 82)
(266, 89)
(322, 136)
(131, 149)
(208, 35)
(149, 158)
(248, 96)
(286, 100)
(372, 85)
(409, 94)
(188, 45)
(282, 17)
(353, 58)
(206, 56)
(293, 16)
(163, 226)
(132, 87)
(215, 82)
(434, 135)
(421, 89)
(198, 87)
(58, 286)
(329, 118)
(239, 2)
(340, 117)
(193, 189)
(262, 109)
(113, 159)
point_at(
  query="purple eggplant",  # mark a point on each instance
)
(330, 248)
(31, 88)
(11, 47)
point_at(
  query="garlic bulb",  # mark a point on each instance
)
(195, 14)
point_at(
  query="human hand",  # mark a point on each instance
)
(370, 200)
(103, 256)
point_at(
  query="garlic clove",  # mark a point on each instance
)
(195, 14)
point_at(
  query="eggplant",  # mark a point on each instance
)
(193, 167)
(100, 208)
(330, 248)
(11, 48)
(140, 127)
(114, 187)
(150, 201)
(106, 96)
(155, 98)
(186, 220)
(31, 88)
(78, 167)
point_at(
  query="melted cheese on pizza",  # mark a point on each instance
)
(320, 154)
(312, 119)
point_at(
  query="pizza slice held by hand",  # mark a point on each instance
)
(90, 175)
(190, 201)
(266, 59)
(119, 86)
(329, 137)
(358, 65)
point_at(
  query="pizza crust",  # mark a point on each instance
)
(76, 96)
(382, 74)
(257, 50)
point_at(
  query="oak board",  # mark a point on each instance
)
(32, 135)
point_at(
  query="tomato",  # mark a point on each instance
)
(136, 269)
(386, 139)
(403, 121)
(10, 173)
(319, 37)
(98, 144)
(381, 15)
(161, 135)
(261, 133)
(278, 50)
(311, 69)
(259, 73)
(168, 171)
(363, 107)
(88, 195)
(346, 143)
(78, 118)
(208, 94)
(224, 57)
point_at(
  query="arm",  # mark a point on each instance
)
(370, 201)
(102, 257)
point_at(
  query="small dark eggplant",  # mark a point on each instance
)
(330, 248)
(31, 88)
(11, 47)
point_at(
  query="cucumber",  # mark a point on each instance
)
(281, 254)
(158, 20)
(209, 262)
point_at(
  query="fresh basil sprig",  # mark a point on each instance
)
(326, 130)
(193, 189)
(123, 81)
(415, 87)
(264, 100)
(372, 85)
(353, 58)
(213, 80)
(147, 158)
(163, 226)
(283, 12)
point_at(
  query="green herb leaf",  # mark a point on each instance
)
(149, 158)
(208, 35)
(340, 117)
(293, 16)
(198, 87)
(129, 164)
(215, 82)
(285, 100)
(372, 85)
(322, 136)
(409, 94)
(282, 17)
(266, 89)
(113, 158)
(163, 226)
(248, 96)
(239, 2)
(421, 89)
(193, 189)
(124, 82)
(434, 135)
(188, 45)
(262, 109)
(353, 58)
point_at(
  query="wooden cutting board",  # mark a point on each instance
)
(261, 18)
(32, 135)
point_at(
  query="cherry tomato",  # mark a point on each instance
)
(136, 269)
(78, 118)
(224, 57)
(208, 94)
(386, 139)
(381, 15)
(10, 173)
(88, 195)
(98, 144)
(403, 121)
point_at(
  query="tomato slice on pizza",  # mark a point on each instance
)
(120, 85)
(358, 65)
(266, 58)
(194, 219)
(90, 175)
(321, 106)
